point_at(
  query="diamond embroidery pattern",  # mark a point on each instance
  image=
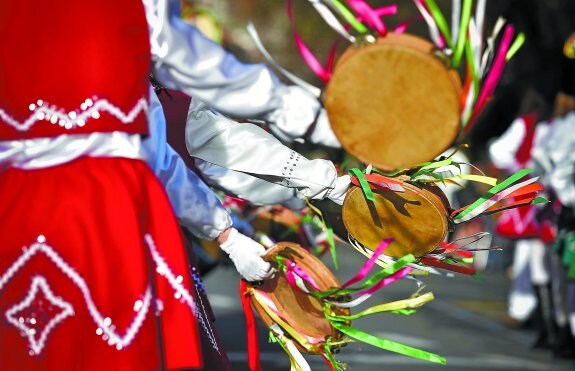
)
(38, 314)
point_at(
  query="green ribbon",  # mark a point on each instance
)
(539, 200)
(472, 68)
(329, 229)
(389, 345)
(517, 43)
(385, 272)
(329, 354)
(363, 183)
(493, 191)
(461, 37)
(332, 250)
(428, 167)
(405, 306)
(440, 21)
(350, 17)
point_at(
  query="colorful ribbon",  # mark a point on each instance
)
(251, 331)
(389, 345)
(500, 192)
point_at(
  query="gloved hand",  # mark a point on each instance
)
(337, 194)
(246, 253)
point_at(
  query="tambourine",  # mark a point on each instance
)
(299, 314)
(417, 215)
(417, 218)
(308, 311)
(394, 103)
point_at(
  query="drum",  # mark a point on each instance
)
(394, 103)
(417, 218)
(299, 314)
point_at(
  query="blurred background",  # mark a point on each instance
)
(470, 322)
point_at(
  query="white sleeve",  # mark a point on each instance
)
(248, 149)
(195, 204)
(502, 150)
(184, 59)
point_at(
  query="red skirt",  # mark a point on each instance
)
(93, 272)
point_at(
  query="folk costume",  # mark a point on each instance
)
(91, 257)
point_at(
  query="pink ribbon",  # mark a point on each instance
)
(368, 264)
(494, 74)
(402, 27)
(310, 59)
(293, 269)
(372, 17)
(387, 280)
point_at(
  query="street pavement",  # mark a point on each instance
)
(465, 324)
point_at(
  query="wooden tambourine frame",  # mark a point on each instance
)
(417, 219)
(302, 312)
(394, 103)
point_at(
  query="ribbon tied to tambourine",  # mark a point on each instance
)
(308, 311)
(413, 211)
(394, 99)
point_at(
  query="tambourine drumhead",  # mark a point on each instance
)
(301, 311)
(417, 219)
(393, 104)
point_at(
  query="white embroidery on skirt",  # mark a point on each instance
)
(181, 292)
(105, 327)
(104, 323)
(30, 323)
(90, 109)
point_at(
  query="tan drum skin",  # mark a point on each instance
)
(394, 104)
(300, 310)
(417, 219)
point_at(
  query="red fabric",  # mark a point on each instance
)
(252, 334)
(518, 223)
(94, 214)
(521, 222)
(523, 155)
(63, 52)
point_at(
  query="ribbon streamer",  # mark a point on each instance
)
(440, 21)
(462, 34)
(329, 232)
(389, 345)
(369, 16)
(493, 195)
(297, 361)
(434, 33)
(252, 335)
(393, 306)
(305, 52)
(349, 17)
(493, 75)
(331, 20)
(251, 29)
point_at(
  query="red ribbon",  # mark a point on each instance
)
(252, 334)
(432, 262)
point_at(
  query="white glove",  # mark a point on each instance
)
(337, 194)
(246, 253)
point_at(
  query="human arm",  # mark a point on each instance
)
(184, 59)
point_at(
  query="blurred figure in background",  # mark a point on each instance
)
(533, 89)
